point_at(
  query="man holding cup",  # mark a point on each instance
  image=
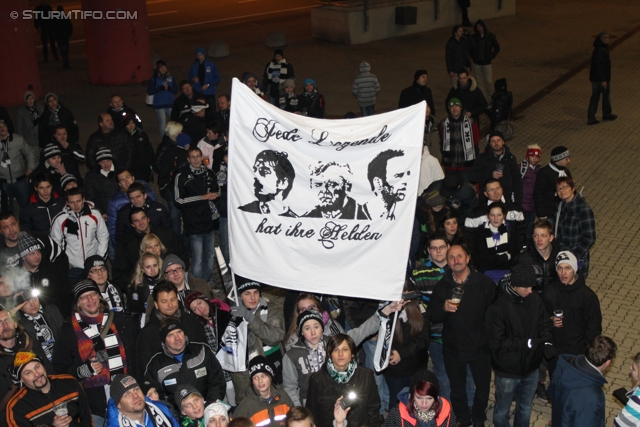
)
(464, 340)
(32, 404)
(575, 309)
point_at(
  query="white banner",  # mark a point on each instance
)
(323, 206)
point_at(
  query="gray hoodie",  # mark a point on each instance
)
(365, 86)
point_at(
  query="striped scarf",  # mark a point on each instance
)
(467, 138)
(90, 343)
(497, 238)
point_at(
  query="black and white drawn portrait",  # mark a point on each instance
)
(332, 183)
(273, 179)
(388, 175)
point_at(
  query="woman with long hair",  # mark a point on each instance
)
(146, 275)
(152, 243)
(630, 414)
(452, 227)
(421, 405)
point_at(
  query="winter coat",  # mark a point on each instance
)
(275, 73)
(56, 289)
(545, 269)
(399, 416)
(501, 103)
(67, 359)
(262, 412)
(454, 158)
(100, 188)
(46, 128)
(143, 155)
(415, 94)
(582, 320)
(470, 96)
(365, 87)
(430, 170)
(315, 104)
(457, 54)
(119, 144)
(51, 251)
(544, 191)
(198, 215)
(511, 180)
(70, 166)
(198, 368)
(464, 335)
(211, 77)
(409, 350)
(169, 157)
(156, 212)
(117, 202)
(21, 156)
(194, 126)
(118, 116)
(113, 414)
(324, 391)
(600, 70)
(576, 229)
(26, 126)
(517, 328)
(38, 215)
(182, 105)
(487, 255)
(292, 103)
(576, 393)
(296, 368)
(528, 185)
(484, 48)
(51, 315)
(162, 98)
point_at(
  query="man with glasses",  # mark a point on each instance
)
(95, 267)
(94, 345)
(13, 339)
(175, 271)
(166, 304)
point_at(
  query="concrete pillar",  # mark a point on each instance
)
(118, 50)
(19, 70)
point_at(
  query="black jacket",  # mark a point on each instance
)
(600, 70)
(67, 360)
(197, 215)
(156, 212)
(484, 49)
(182, 105)
(222, 119)
(582, 316)
(149, 338)
(457, 54)
(47, 129)
(199, 368)
(119, 144)
(409, 350)
(51, 315)
(415, 94)
(511, 180)
(544, 191)
(464, 334)
(143, 155)
(38, 215)
(100, 189)
(118, 116)
(194, 126)
(494, 258)
(545, 269)
(324, 391)
(471, 98)
(517, 329)
(169, 157)
(57, 291)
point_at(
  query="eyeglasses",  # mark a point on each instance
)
(563, 187)
(97, 270)
(438, 248)
(173, 272)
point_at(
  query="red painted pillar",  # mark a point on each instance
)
(19, 69)
(118, 50)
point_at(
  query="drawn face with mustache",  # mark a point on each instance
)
(266, 184)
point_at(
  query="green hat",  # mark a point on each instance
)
(454, 101)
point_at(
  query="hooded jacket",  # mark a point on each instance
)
(366, 86)
(576, 393)
(470, 96)
(399, 416)
(272, 412)
(582, 320)
(600, 70)
(162, 98)
(545, 269)
(16, 157)
(211, 77)
(517, 328)
(544, 191)
(511, 180)
(486, 47)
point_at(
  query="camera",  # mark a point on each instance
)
(27, 295)
(348, 400)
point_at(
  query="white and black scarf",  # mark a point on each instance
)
(317, 356)
(112, 297)
(158, 418)
(209, 185)
(43, 332)
(466, 132)
(54, 120)
(71, 224)
(561, 172)
(110, 344)
(497, 238)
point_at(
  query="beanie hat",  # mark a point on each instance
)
(170, 260)
(103, 153)
(51, 150)
(120, 384)
(201, 50)
(309, 81)
(419, 73)
(424, 375)
(309, 315)
(523, 276)
(454, 101)
(495, 133)
(27, 244)
(191, 296)
(27, 94)
(172, 324)
(84, 286)
(217, 408)
(289, 83)
(66, 179)
(19, 362)
(50, 94)
(433, 198)
(246, 76)
(183, 391)
(534, 150)
(278, 52)
(566, 257)
(93, 261)
(260, 364)
(449, 185)
(183, 140)
(243, 284)
(559, 153)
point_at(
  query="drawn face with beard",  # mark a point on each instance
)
(266, 184)
(332, 188)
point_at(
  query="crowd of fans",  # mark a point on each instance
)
(108, 315)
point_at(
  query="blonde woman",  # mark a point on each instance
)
(147, 274)
(152, 244)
